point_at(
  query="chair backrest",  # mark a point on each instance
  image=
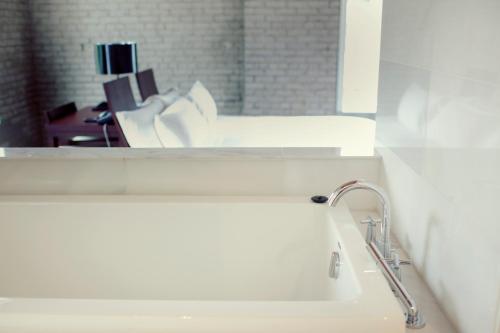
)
(119, 95)
(62, 111)
(147, 83)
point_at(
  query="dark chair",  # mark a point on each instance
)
(119, 95)
(147, 84)
(62, 111)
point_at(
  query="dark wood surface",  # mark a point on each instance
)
(62, 111)
(60, 132)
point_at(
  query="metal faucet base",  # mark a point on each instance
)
(415, 322)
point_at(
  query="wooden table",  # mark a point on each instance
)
(60, 132)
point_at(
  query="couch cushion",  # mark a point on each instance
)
(204, 101)
(183, 120)
(138, 126)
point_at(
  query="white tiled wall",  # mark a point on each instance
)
(439, 135)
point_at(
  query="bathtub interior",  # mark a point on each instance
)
(159, 249)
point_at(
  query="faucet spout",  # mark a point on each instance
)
(385, 243)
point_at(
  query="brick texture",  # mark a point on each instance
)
(183, 40)
(291, 56)
(19, 114)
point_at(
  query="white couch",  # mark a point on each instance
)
(184, 122)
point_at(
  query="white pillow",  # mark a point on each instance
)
(138, 126)
(204, 101)
(167, 137)
(167, 99)
(184, 121)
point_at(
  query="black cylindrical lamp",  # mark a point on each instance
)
(116, 58)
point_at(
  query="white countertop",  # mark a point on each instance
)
(191, 153)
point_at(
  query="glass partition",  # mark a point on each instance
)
(202, 74)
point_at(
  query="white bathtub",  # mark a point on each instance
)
(156, 264)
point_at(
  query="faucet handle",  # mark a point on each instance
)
(396, 261)
(370, 232)
(371, 221)
(406, 262)
(396, 258)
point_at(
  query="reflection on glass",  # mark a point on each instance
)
(260, 73)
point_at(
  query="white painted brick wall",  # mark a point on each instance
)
(279, 56)
(291, 56)
(19, 116)
(182, 40)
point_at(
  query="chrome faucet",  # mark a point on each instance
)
(381, 249)
(384, 244)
